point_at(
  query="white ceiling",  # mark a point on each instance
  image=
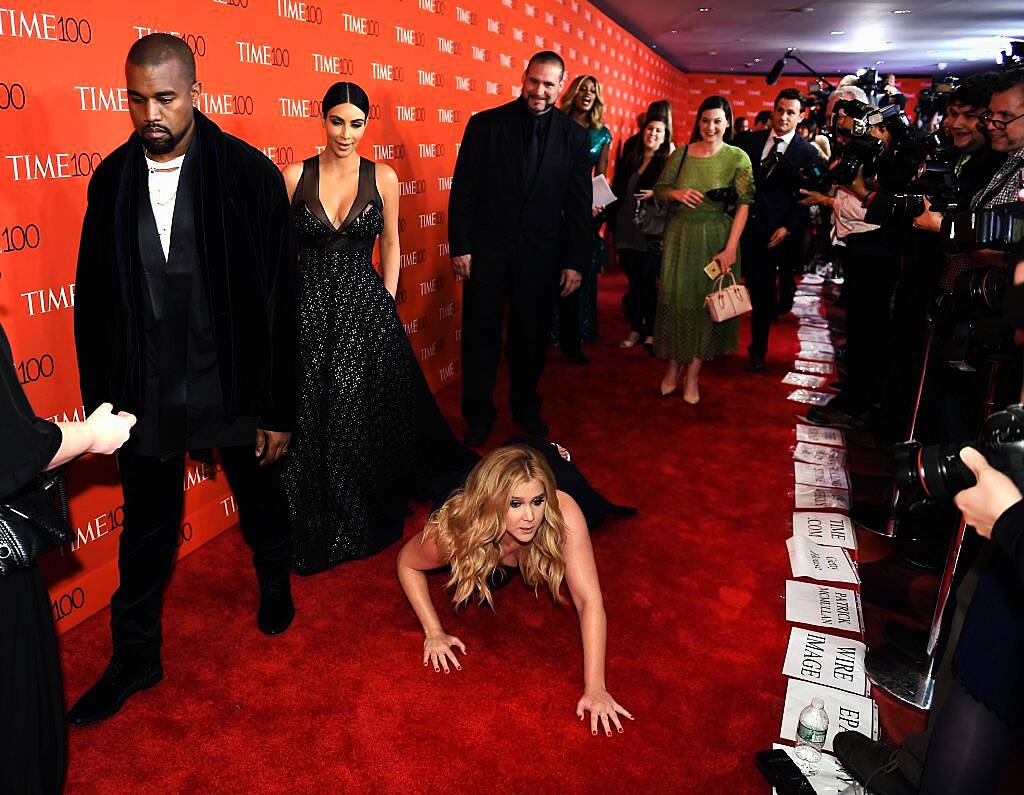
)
(967, 35)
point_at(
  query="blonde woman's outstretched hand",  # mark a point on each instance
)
(439, 649)
(603, 708)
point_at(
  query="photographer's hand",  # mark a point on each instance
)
(813, 198)
(982, 504)
(777, 236)
(929, 220)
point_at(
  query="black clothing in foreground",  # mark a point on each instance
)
(247, 262)
(153, 500)
(775, 205)
(369, 433)
(521, 235)
(33, 752)
(200, 344)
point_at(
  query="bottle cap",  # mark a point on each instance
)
(817, 703)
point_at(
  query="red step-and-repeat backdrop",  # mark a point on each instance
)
(264, 65)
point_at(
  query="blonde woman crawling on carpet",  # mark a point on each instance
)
(510, 515)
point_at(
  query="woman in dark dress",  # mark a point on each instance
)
(368, 434)
(32, 751)
(640, 256)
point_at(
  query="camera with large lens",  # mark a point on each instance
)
(937, 473)
(813, 176)
(1000, 228)
(858, 153)
(933, 159)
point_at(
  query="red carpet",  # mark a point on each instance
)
(693, 589)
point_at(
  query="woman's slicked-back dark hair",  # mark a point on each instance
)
(713, 103)
(345, 93)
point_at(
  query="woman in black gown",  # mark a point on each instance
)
(32, 748)
(369, 434)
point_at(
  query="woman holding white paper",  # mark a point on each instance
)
(577, 312)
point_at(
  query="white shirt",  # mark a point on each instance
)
(163, 190)
(848, 213)
(770, 143)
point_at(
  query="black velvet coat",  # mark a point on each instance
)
(248, 261)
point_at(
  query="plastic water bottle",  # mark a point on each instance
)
(810, 735)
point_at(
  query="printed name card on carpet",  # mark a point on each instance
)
(821, 368)
(846, 711)
(822, 606)
(830, 564)
(832, 529)
(811, 334)
(815, 356)
(816, 475)
(814, 434)
(831, 778)
(822, 454)
(826, 659)
(818, 497)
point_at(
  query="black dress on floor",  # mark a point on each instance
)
(368, 434)
(32, 749)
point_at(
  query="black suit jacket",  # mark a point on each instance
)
(247, 259)
(775, 203)
(502, 223)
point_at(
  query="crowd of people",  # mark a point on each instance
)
(222, 306)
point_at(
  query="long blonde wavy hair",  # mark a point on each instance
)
(596, 121)
(469, 526)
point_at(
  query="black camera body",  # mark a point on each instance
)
(937, 473)
(1000, 228)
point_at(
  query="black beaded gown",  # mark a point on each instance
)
(368, 434)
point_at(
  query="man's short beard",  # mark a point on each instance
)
(161, 147)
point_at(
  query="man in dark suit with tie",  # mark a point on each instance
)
(519, 222)
(771, 239)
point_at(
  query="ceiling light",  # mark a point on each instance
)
(836, 32)
(757, 60)
(942, 64)
(901, 11)
(879, 63)
(929, 52)
(704, 9)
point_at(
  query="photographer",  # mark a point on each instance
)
(871, 251)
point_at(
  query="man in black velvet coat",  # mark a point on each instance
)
(519, 230)
(185, 316)
(771, 239)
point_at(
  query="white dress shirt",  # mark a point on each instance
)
(163, 190)
(770, 143)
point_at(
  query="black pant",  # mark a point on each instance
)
(871, 268)
(641, 269)
(762, 267)
(530, 307)
(153, 496)
(569, 323)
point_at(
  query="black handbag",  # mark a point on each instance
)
(33, 520)
(650, 215)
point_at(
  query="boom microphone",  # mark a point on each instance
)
(776, 72)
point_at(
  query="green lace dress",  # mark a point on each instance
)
(683, 328)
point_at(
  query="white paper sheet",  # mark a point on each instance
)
(818, 497)
(817, 562)
(831, 529)
(603, 195)
(826, 659)
(817, 475)
(823, 606)
(846, 711)
(815, 434)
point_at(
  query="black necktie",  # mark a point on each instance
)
(774, 150)
(533, 152)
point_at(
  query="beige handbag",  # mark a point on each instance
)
(725, 303)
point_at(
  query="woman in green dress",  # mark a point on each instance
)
(576, 314)
(699, 231)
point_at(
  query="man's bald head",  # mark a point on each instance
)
(161, 48)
